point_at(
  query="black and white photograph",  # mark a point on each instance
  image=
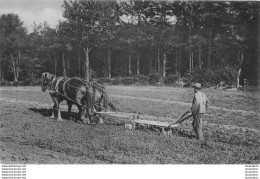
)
(169, 87)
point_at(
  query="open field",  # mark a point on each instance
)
(231, 129)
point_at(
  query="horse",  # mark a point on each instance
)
(73, 90)
(100, 98)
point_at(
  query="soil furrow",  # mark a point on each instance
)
(124, 114)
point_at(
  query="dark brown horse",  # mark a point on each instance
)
(100, 97)
(73, 90)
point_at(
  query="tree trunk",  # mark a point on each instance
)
(18, 65)
(179, 64)
(68, 65)
(199, 56)
(190, 43)
(158, 62)
(192, 61)
(109, 62)
(164, 65)
(150, 66)
(87, 69)
(129, 63)
(239, 70)
(1, 72)
(14, 68)
(210, 49)
(176, 61)
(55, 63)
(138, 63)
(64, 65)
(78, 55)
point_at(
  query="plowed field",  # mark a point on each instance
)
(29, 136)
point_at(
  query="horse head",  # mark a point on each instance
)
(46, 80)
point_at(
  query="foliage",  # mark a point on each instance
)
(5, 83)
(137, 80)
(171, 79)
(155, 78)
(228, 74)
(109, 37)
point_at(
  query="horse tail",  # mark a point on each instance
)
(111, 106)
(88, 101)
(105, 99)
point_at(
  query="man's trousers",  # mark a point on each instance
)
(197, 125)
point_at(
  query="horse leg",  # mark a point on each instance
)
(82, 112)
(69, 109)
(59, 114)
(96, 115)
(53, 109)
(82, 115)
(98, 108)
(55, 106)
(100, 119)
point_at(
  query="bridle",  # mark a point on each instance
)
(48, 86)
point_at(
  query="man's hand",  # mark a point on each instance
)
(189, 111)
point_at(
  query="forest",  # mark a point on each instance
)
(199, 41)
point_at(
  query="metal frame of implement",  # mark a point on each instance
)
(136, 121)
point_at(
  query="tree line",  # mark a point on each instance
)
(129, 37)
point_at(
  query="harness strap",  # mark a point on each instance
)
(64, 89)
(57, 83)
(54, 89)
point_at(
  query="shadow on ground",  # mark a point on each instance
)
(64, 115)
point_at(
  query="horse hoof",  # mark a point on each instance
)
(59, 119)
(86, 122)
(100, 121)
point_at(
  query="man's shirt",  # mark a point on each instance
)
(200, 103)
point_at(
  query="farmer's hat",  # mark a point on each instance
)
(196, 85)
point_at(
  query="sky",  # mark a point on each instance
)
(31, 11)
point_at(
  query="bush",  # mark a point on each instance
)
(103, 80)
(36, 82)
(116, 81)
(172, 78)
(131, 80)
(5, 83)
(155, 78)
(128, 80)
(26, 82)
(141, 80)
(208, 77)
(227, 74)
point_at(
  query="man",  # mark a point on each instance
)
(199, 107)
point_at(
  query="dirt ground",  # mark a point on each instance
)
(28, 135)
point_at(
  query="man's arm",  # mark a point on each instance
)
(195, 106)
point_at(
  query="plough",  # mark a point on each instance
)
(136, 121)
